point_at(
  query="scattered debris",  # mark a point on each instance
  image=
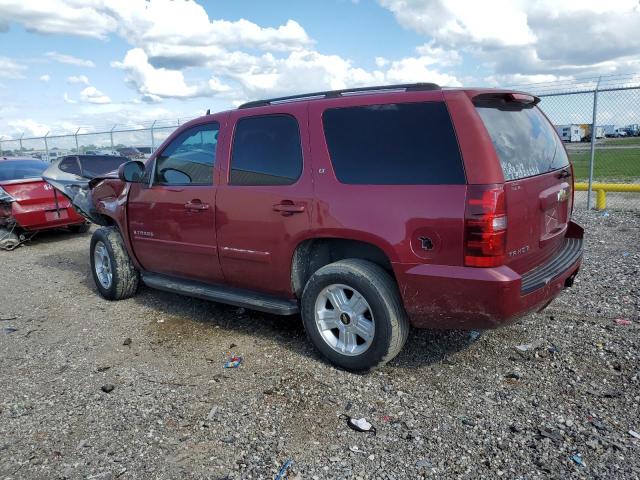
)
(468, 422)
(8, 319)
(553, 349)
(513, 375)
(577, 459)
(233, 362)
(233, 345)
(525, 348)
(9, 330)
(160, 320)
(623, 321)
(127, 341)
(355, 449)
(283, 470)
(359, 425)
(474, 335)
(424, 464)
(212, 412)
(634, 434)
(548, 433)
(108, 388)
(103, 368)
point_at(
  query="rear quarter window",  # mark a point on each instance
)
(525, 141)
(393, 144)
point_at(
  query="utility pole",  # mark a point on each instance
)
(593, 142)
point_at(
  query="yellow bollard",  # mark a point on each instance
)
(601, 199)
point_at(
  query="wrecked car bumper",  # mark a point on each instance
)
(452, 297)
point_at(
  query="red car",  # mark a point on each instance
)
(28, 204)
(364, 210)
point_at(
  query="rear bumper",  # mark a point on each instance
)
(37, 217)
(440, 296)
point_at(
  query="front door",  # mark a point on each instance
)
(172, 218)
(263, 207)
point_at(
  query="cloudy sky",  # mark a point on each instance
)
(70, 63)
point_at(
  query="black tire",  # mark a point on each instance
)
(125, 277)
(8, 239)
(81, 228)
(381, 293)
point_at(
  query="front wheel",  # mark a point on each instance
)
(115, 276)
(353, 314)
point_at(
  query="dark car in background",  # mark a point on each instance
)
(29, 205)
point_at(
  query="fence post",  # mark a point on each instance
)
(593, 142)
(1, 137)
(153, 142)
(20, 139)
(76, 135)
(46, 146)
(111, 135)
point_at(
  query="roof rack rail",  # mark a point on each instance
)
(407, 87)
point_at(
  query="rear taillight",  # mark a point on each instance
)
(485, 222)
(5, 197)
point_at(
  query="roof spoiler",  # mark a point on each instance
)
(506, 100)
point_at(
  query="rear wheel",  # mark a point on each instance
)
(113, 272)
(353, 314)
(8, 239)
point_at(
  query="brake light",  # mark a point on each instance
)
(485, 226)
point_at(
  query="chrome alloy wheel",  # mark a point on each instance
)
(344, 319)
(102, 265)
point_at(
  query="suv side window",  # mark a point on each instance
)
(189, 158)
(266, 151)
(393, 144)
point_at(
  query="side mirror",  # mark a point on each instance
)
(132, 171)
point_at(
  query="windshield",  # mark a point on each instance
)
(21, 169)
(525, 141)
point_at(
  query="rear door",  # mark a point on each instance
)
(264, 201)
(172, 218)
(538, 179)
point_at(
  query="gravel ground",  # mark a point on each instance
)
(447, 407)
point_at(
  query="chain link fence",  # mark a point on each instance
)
(132, 141)
(597, 118)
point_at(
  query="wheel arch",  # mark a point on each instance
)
(314, 253)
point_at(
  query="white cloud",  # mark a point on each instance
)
(75, 17)
(162, 82)
(45, 78)
(530, 38)
(68, 99)
(28, 127)
(82, 79)
(69, 59)
(9, 68)
(93, 95)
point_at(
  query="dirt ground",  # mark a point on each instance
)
(450, 406)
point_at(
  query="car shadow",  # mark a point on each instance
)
(53, 236)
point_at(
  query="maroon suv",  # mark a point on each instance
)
(364, 210)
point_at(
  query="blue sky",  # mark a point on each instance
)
(66, 64)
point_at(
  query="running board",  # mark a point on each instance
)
(221, 294)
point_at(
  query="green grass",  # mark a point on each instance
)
(609, 165)
(620, 141)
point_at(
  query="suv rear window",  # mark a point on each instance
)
(393, 144)
(525, 141)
